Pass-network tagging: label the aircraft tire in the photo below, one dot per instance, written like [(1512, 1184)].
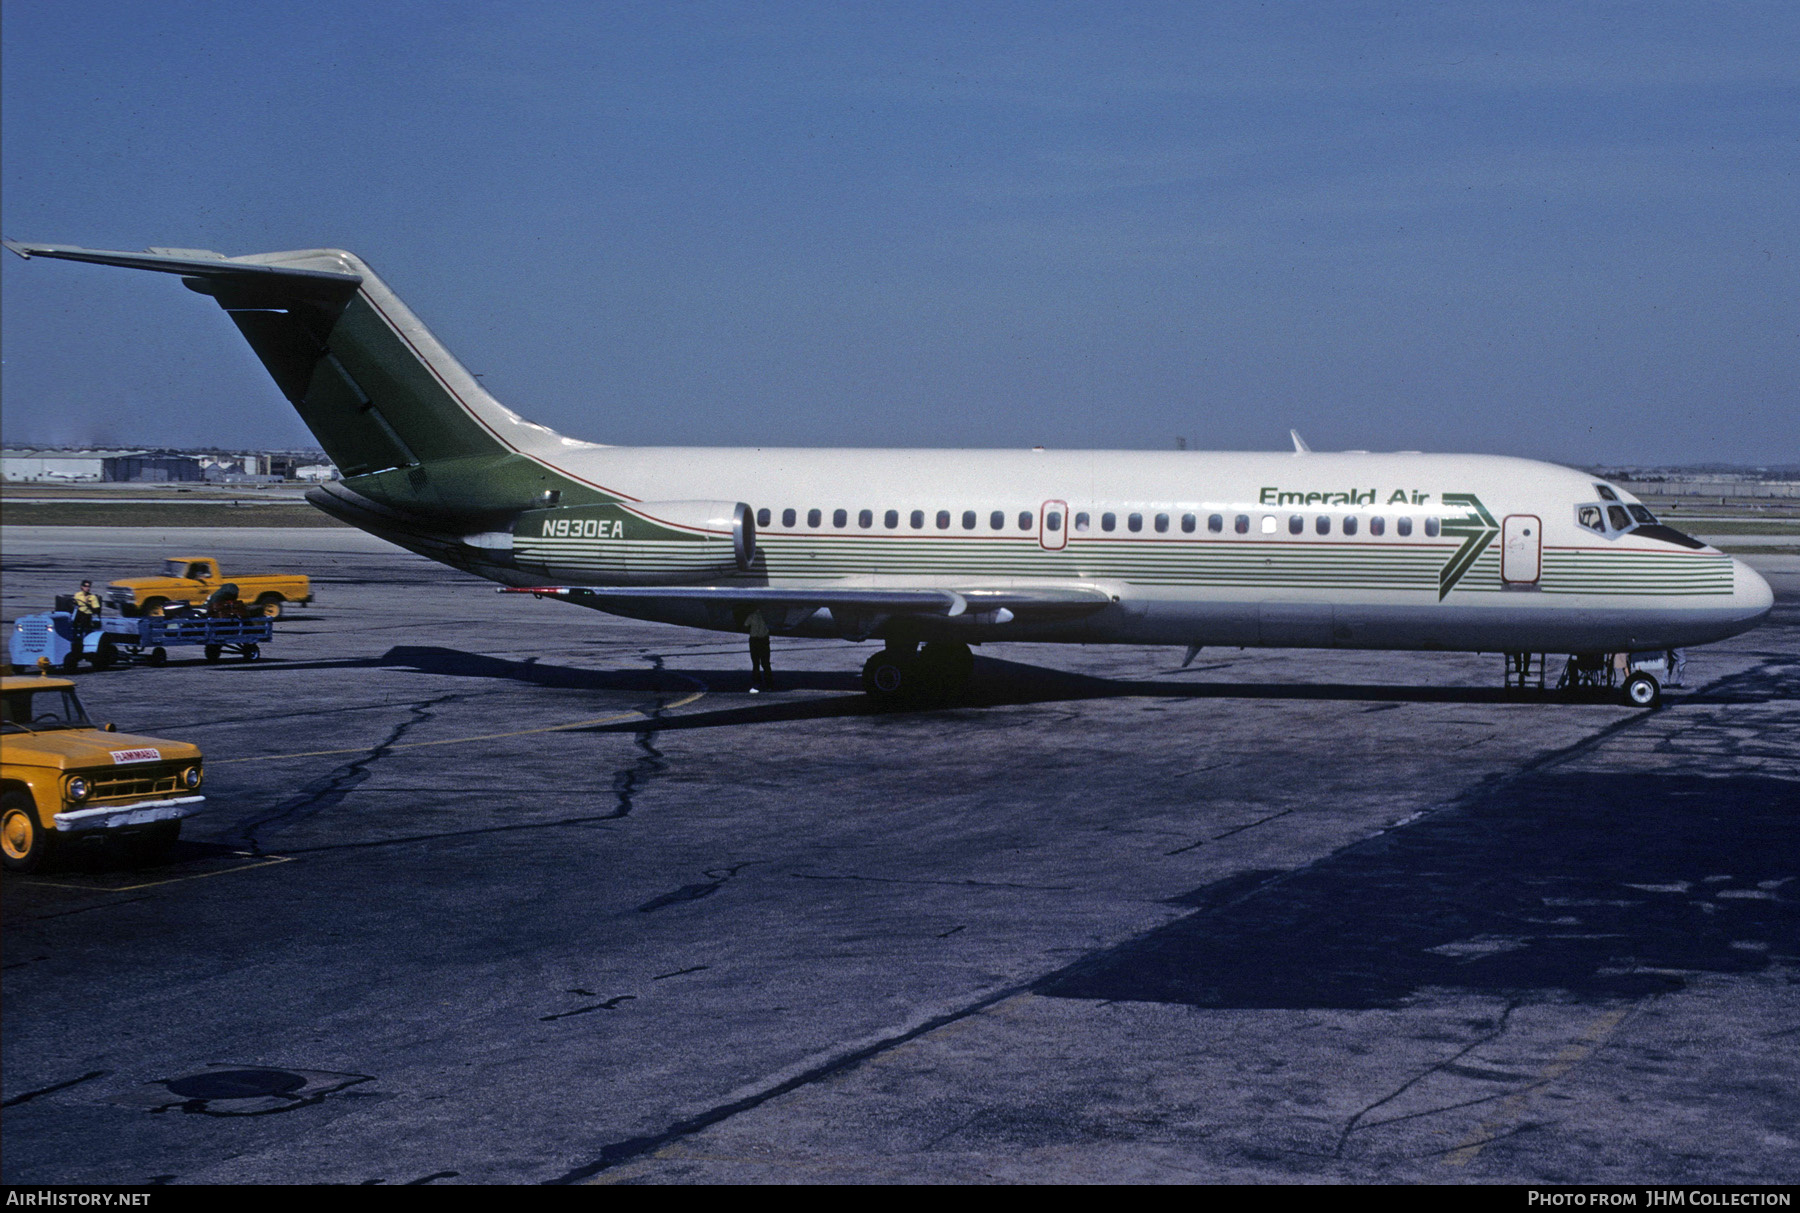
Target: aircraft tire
[(23, 840), (945, 666), (1641, 691), (889, 677)]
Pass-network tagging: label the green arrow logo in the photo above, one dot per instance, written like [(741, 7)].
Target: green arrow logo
[(1476, 530)]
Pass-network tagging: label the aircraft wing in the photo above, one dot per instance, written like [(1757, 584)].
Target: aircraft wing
[(1054, 601)]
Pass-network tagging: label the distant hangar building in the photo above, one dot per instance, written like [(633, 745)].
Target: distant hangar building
[(48, 466)]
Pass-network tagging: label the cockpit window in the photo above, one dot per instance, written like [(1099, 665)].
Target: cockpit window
[(1621, 521), (1590, 517), (1606, 493), (1642, 515)]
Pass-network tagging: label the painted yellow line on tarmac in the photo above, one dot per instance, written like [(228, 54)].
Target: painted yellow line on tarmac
[(414, 745), (151, 884), (1512, 1105)]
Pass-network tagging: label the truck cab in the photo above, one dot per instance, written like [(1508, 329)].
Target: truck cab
[(65, 780)]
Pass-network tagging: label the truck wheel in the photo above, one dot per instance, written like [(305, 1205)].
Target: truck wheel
[(24, 842), (106, 655), (159, 655), (71, 663), (271, 605)]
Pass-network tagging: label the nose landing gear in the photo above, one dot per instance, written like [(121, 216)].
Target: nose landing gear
[(1601, 671)]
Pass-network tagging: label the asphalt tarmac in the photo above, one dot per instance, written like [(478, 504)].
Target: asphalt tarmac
[(504, 891)]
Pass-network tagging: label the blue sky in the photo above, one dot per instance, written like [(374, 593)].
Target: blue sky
[(1558, 230)]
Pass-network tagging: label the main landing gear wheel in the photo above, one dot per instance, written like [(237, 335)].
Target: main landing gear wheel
[(1641, 691), (935, 674), (888, 676), (946, 666), (24, 843)]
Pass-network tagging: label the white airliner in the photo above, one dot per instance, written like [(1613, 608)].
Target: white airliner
[(943, 549)]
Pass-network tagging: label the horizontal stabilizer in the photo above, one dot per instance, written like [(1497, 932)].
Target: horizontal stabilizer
[(191, 263)]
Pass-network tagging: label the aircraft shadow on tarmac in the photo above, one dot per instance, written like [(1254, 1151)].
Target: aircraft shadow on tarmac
[(1597, 885), (996, 683)]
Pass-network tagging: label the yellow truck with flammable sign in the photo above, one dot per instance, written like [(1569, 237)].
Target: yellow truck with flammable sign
[(64, 779), (191, 580)]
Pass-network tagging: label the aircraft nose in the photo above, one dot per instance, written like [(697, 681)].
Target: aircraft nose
[(1751, 592)]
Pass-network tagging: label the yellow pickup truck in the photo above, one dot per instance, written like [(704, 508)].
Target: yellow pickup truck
[(64, 779), (191, 580)]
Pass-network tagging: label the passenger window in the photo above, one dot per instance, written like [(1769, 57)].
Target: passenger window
[(1243, 524), (891, 519), (1431, 527), (968, 520), (787, 518), (917, 520), (1053, 520), (1188, 524), (1322, 524), (840, 518), (997, 520), (1162, 524), (762, 517), (1378, 525), (1215, 523), (943, 520), (1134, 522), (865, 519), (812, 517), (1108, 521), (1589, 516), (1621, 521), (1296, 524), (1350, 524), (1081, 521), (1403, 526), (1268, 524)]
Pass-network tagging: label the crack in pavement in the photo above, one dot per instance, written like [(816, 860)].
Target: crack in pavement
[(330, 790)]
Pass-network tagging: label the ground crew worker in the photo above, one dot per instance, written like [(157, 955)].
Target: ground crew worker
[(87, 610), (762, 674)]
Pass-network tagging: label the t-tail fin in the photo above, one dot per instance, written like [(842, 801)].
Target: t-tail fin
[(372, 384)]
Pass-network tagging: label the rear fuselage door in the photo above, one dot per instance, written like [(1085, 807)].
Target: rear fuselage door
[(1053, 525), (1521, 549)]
